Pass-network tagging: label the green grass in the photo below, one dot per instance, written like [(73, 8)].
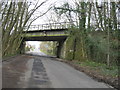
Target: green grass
[(46, 52), (103, 69), (8, 55)]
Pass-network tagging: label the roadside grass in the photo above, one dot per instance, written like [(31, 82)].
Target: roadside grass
[(8, 56), (48, 53), (102, 69)]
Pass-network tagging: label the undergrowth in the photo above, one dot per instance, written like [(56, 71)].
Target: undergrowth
[(103, 69)]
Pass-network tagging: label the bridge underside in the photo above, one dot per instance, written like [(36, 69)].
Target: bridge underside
[(46, 38), (54, 34), (47, 30)]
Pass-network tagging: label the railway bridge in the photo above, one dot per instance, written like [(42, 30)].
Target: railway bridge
[(47, 32)]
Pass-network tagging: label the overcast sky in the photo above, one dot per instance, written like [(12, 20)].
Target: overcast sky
[(45, 19)]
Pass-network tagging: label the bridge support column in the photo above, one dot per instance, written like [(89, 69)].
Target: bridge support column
[(22, 47), (59, 48)]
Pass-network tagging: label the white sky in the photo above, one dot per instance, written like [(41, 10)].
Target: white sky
[(44, 19), (35, 43), (44, 8)]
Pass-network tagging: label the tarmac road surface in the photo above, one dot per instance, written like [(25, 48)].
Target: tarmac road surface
[(62, 75), (41, 71)]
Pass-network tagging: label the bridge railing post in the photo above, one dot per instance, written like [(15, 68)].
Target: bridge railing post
[(55, 26), (33, 26), (42, 27), (50, 26), (61, 25)]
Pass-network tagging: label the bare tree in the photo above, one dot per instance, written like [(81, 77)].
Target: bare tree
[(15, 16)]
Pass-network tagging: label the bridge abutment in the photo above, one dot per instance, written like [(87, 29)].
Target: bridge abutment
[(22, 47), (59, 48)]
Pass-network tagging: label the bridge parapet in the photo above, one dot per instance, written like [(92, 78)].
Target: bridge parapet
[(50, 26)]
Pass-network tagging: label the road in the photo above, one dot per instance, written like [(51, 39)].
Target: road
[(46, 72)]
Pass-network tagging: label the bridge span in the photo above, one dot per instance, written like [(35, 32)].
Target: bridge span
[(47, 32)]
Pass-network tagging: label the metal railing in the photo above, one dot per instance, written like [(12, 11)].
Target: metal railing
[(62, 25)]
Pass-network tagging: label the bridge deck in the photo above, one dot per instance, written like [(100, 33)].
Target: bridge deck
[(46, 38), (47, 32)]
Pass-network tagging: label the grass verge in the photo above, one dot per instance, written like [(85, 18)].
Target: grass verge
[(98, 71), (103, 69)]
